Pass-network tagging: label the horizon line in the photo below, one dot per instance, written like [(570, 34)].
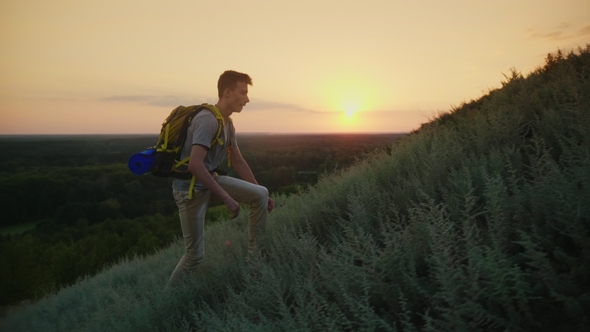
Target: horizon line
[(240, 133)]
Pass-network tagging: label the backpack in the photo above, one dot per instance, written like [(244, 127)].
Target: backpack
[(171, 141)]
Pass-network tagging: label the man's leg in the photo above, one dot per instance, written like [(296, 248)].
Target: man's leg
[(192, 220), (257, 197)]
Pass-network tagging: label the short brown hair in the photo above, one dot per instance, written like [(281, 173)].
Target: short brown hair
[(229, 79)]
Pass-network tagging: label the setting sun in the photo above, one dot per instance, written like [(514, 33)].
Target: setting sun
[(350, 108), (349, 95), (349, 120)]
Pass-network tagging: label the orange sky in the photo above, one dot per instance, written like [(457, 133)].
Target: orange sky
[(75, 67)]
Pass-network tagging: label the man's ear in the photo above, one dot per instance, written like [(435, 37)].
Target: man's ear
[(226, 92)]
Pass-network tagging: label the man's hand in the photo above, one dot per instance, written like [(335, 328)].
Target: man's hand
[(271, 205), (232, 206)]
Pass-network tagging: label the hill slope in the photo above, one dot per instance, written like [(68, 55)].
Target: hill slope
[(479, 220)]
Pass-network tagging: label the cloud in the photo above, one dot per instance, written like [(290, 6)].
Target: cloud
[(127, 98), (261, 105), (556, 35), (161, 101), (45, 99), (584, 31), (173, 101), (564, 32)]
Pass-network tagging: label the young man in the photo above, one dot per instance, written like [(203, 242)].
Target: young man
[(232, 90)]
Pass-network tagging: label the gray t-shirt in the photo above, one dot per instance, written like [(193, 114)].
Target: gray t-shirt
[(202, 131)]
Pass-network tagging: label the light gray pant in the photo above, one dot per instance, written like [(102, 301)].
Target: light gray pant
[(192, 220)]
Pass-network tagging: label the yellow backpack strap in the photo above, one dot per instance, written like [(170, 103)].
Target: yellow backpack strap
[(228, 152), (191, 187), (182, 162), (217, 139), (164, 145)]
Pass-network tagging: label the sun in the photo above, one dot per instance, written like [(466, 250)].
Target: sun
[(350, 97), (348, 114), (350, 109)]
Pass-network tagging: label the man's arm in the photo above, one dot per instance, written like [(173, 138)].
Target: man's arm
[(241, 166), (198, 169)]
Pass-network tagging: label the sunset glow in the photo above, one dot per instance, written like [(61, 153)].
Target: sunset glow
[(122, 66)]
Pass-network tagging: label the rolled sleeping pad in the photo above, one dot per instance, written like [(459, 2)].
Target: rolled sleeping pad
[(142, 162)]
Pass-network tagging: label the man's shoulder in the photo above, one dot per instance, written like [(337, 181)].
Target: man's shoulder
[(205, 117), (205, 113)]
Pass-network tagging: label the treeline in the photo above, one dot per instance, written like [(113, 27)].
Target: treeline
[(24, 153), (36, 264), (60, 196), (89, 210), (39, 184), (284, 162)]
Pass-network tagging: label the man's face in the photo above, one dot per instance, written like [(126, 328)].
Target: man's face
[(238, 97)]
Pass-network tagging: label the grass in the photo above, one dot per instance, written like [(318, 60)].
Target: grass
[(16, 229), (478, 221)]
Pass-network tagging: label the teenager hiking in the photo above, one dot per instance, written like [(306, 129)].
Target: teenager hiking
[(206, 149)]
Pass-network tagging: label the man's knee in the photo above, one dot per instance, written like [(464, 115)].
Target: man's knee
[(260, 196), (263, 192)]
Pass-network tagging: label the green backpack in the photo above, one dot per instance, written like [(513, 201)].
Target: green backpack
[(171, 140)]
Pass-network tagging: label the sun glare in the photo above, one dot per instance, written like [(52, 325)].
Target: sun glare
[(349, 96), (350, 108), (350, 101), (349, 115)]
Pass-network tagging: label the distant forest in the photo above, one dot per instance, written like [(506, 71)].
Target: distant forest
[(70, 206)]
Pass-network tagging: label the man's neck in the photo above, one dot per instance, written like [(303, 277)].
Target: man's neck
[(224, 110)]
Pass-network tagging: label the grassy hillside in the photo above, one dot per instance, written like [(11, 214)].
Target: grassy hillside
[(479, 220)]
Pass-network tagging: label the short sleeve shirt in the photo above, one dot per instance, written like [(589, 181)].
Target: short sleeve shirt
[(202, 131)]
